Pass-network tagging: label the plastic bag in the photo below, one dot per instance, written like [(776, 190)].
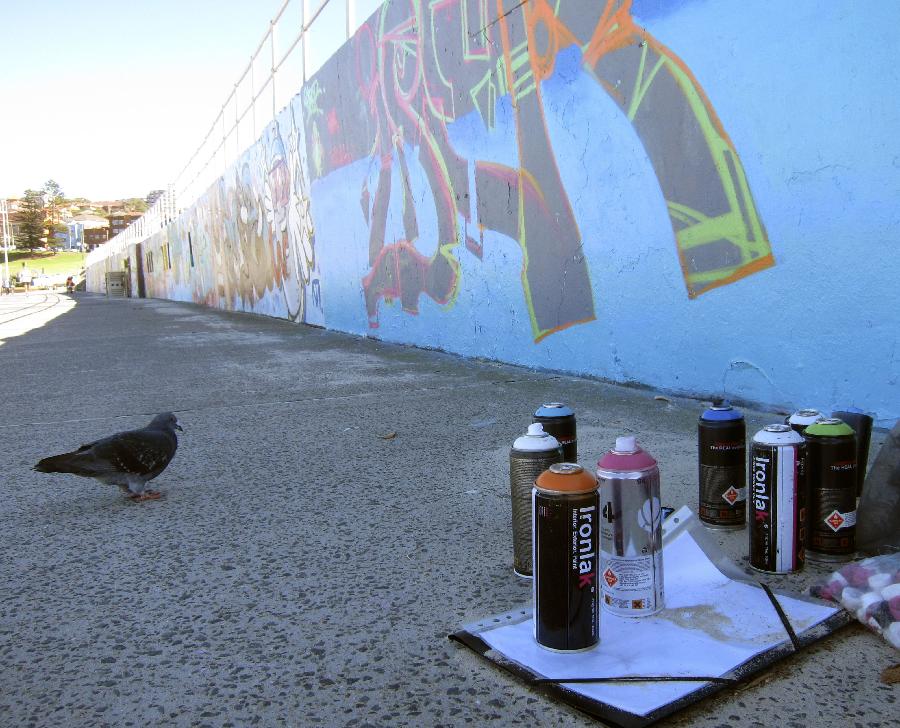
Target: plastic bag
[(870, 589)]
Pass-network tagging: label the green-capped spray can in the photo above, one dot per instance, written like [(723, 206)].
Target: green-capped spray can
[(831, 470)]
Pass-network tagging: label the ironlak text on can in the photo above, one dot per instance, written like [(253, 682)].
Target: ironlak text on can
[(777, 499), (722, 446), (801, 419), (559, 421), (631, 578), (831, 470), (530, 456), (566, 559)]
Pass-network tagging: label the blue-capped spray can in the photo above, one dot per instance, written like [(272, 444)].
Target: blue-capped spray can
[(722, 450), (559, 420)]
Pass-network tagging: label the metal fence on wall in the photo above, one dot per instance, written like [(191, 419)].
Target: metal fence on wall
[(300, 37)]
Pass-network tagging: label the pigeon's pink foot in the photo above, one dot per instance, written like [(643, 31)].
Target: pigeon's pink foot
[(146, 495)]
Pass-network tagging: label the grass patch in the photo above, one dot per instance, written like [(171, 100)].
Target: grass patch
[(43, 263)]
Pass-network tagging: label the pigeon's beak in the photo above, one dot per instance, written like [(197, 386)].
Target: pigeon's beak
[(179, 427)]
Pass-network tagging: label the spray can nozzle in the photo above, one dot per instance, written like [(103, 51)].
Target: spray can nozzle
[(625, 444)]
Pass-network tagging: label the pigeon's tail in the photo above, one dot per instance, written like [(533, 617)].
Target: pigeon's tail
[(70, 462)]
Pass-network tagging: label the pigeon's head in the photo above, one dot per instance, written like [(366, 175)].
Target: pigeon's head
[(166, 421)]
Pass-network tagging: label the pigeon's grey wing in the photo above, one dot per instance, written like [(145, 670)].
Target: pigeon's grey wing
[(140, 452)]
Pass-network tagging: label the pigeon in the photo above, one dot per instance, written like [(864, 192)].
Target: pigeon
[(127, 459)]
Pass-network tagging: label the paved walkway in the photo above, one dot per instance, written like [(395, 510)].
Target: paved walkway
[(337, 506)]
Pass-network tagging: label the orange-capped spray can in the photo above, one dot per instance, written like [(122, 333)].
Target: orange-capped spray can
[(565, 508)]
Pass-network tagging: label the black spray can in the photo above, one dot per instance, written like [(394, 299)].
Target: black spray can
[(530, 456), (559, 421), (801, 419), (831, 469), (777, 498), (566, 559), (862, 426), (722, 448)]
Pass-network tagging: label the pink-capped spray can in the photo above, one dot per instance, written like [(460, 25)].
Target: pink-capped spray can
[(631, 576)]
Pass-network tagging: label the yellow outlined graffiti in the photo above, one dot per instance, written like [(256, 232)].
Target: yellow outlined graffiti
[(420, 65)]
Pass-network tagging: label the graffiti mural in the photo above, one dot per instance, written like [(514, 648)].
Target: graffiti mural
[(248, 243), (417, 66)]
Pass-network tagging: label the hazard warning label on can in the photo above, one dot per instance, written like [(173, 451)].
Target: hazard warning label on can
[(733, 495), (610, 577), (837, 520), (632, 585)]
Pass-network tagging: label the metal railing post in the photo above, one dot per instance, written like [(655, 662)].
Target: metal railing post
[(272, 67), (304, 39), (224, 146)]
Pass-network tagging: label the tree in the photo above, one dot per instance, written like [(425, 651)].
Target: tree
[(31, 215), (134, 204), (54, 195)]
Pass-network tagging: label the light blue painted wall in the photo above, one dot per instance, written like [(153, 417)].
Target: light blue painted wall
[(807, 92)]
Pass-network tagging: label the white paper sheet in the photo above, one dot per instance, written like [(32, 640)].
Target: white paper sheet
[(711, 624)]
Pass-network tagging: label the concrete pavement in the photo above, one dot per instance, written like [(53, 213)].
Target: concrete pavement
[(337, 506)]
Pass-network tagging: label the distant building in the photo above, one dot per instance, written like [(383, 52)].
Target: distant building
[(86, 232), (118, 221), (94, 237), (153, 196), (75, 238)]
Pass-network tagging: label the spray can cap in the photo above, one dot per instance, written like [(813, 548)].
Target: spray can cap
[(721, 411), (552, 410), (627, 455), (566, 478), (536, 439)]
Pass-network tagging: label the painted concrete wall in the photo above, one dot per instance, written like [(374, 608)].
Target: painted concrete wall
[(701, 196)]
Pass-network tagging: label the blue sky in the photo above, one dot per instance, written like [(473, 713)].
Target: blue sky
[(110, 99)]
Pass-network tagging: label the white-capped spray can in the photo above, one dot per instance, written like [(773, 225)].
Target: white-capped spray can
[(777, 500), (803, 418), (531, 455), (631, 576)]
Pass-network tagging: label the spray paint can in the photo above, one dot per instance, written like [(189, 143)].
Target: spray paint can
[(777, 500), (530, 456), (566, 559), (831, 469), (862, 426), (631, 531), (801, 419), (722, 448), (559, 421)]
